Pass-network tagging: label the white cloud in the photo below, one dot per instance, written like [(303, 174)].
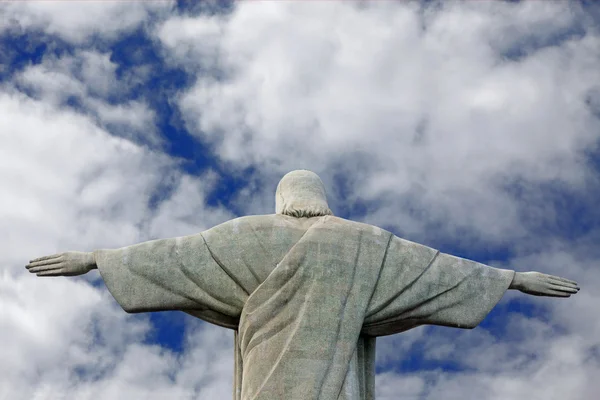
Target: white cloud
[(390, 386), (98, 72), (537, 367), (64, 170), (416, 108), (425, 101), (429, 121), (560, 372), (90, 77), (77, 22), (535, 357), (50, 329), (185, 212), (190, 42), (69, 185)]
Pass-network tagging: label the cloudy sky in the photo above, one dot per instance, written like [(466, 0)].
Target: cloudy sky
[(471, 127)]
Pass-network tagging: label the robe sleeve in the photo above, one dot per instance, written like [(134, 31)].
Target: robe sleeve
[(418, 285), (172, 274)]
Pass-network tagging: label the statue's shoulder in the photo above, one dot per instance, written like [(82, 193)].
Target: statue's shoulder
[(263, 221), (343, 223), (278, 221), (267, 221)]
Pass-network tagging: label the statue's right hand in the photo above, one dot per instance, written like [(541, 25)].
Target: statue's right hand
[(70, 263), (538, 284)]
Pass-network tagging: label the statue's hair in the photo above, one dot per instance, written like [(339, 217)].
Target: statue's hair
[(306, 212), (301, 194)]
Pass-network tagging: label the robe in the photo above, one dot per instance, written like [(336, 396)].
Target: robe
[(306, 297)]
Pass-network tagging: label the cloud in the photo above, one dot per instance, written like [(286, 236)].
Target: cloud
[(53, 330), (390, 386), (425, 101), (431, 118), (74, 179), (442, 122), (68, 184), (186, 212), (79, 22), (552, 357), (88, 79), (561, 371), (539, 366)]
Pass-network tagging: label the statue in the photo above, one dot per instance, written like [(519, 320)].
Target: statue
[(305, 292)]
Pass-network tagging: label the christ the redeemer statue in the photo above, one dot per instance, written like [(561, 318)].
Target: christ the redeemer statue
[(306, 293)]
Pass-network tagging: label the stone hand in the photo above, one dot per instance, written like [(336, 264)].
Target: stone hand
[(538, 284), (70, 263)]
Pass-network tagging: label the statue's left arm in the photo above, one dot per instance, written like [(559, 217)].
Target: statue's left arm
[(166, 274), (419, 285)]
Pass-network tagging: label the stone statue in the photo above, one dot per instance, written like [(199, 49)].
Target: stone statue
[(305, 292)]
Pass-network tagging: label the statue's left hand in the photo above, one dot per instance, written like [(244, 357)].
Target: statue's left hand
[(70, 263)]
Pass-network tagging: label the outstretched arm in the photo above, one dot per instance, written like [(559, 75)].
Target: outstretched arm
[(538, 284), (159, 275), (70, 263), (440, 289)]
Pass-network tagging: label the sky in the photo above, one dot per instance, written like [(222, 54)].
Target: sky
[(472, 127)]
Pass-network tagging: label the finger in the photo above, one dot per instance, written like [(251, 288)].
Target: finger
[(46, 257), (45, 262), (562, 279), (45, 268), (557, 293), (565, 289), (54, 272), (563, 282)]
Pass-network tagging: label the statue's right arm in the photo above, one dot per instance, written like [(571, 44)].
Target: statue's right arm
[(70, 263), (538, 284)]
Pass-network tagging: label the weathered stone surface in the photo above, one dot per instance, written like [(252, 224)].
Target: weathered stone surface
[(307, 293)]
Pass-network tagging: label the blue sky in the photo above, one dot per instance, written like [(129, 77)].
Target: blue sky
[(471, 127)]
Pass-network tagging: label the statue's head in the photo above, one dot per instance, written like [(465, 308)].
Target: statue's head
[(300, 194)]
